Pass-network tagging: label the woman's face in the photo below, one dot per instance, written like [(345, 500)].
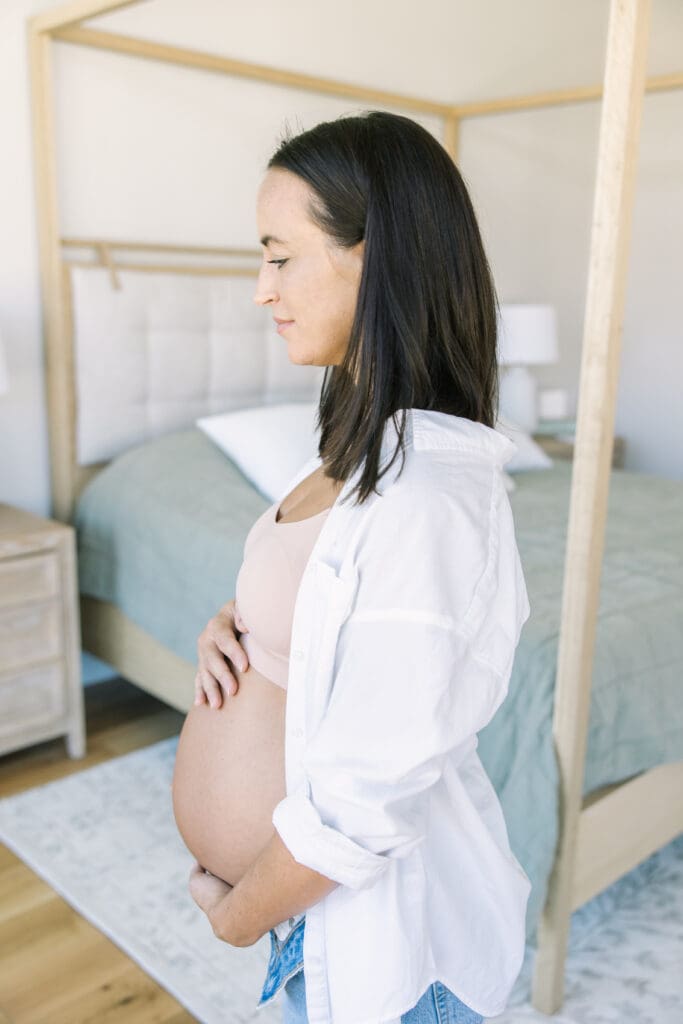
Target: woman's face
[(316, 285)]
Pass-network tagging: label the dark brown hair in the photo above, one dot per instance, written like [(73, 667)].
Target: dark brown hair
[(425, 328)]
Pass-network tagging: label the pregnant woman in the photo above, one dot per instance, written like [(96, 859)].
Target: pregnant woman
[(330, 790)]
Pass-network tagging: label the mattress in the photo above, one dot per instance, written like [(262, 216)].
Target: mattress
[(161, 531)]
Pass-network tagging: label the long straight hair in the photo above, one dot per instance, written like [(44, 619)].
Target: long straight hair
[(424, 333)]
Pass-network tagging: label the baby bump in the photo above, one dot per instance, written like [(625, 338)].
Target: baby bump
[(229, 774)]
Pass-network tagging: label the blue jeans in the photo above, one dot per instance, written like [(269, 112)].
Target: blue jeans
[(438, 1005)]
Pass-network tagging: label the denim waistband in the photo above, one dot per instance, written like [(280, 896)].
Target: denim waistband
[(286, 958), (283, 930)]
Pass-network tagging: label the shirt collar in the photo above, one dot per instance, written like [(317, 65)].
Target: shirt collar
[(426, 428)]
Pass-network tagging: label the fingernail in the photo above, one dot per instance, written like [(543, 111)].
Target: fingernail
[(243, 666)]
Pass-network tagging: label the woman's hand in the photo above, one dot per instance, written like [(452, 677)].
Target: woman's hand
[(217, 641), (208, 892)]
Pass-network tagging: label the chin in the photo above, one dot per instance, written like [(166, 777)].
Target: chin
[(304, 359)]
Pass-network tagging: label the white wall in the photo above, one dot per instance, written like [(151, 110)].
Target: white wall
[(24, 466), (159, 153), (533, 176)]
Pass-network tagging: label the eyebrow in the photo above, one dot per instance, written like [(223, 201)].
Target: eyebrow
[(267, 239)]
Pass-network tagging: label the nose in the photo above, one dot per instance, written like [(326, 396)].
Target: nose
[(265, 289)]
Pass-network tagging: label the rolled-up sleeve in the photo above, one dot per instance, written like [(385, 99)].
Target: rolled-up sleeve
[(407, 691), (322, 848)]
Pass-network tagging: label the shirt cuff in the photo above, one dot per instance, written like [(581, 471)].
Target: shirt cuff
[(322, 848)]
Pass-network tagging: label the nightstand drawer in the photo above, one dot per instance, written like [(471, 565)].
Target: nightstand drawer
[(33, 578), (30, 633), (30, 697), (41, 696)]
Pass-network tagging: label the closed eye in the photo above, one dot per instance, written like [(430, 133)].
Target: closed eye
[(280, 263)]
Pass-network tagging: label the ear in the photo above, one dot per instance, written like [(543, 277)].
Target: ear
[(358, 251), (348, 260)]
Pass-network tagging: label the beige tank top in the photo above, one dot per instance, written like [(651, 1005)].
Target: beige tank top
[(275, 556)]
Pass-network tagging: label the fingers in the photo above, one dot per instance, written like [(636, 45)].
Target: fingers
[(199, 695), (222, 636), (216, 643), (218, 673), (208, 690), (240, 623)]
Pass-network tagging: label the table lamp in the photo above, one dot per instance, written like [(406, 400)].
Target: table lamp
[(527, 336)]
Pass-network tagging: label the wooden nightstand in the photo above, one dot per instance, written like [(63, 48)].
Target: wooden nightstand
[(562, 448), (41, 694)]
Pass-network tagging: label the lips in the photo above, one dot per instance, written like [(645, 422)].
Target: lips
[(282, 325)]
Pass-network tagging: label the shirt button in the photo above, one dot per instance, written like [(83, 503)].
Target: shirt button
[(297, 732), (298, 654)]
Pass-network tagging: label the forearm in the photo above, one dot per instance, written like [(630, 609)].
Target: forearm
[(274, 888)]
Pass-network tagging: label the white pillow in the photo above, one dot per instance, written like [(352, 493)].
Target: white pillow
[(269, 443), (529, 455)]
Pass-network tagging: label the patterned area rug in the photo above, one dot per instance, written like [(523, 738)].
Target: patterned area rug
[(105, 839)]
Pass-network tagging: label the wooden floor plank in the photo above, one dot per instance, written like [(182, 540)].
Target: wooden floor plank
[(58, 968)]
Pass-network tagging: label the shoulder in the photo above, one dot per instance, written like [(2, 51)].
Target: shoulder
[(442, 483), (439, 546), (426, 540), (438, 497)]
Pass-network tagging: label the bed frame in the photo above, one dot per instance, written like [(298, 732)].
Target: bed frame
[(608, 832)]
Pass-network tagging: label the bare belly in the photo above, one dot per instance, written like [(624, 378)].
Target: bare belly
[(229, 775)]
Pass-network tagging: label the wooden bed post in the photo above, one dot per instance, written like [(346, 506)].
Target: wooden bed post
[(451, 136), (627, 40), (59, 382), (56, 327)]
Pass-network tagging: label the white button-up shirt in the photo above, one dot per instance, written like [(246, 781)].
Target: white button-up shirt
[(405, 627)]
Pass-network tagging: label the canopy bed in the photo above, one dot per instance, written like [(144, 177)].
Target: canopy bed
[(595, 783)]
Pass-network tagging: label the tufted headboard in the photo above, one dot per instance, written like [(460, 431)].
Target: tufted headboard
[(149, 347)]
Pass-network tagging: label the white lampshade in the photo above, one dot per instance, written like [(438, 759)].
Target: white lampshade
[(4, 375), (527, 335)]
